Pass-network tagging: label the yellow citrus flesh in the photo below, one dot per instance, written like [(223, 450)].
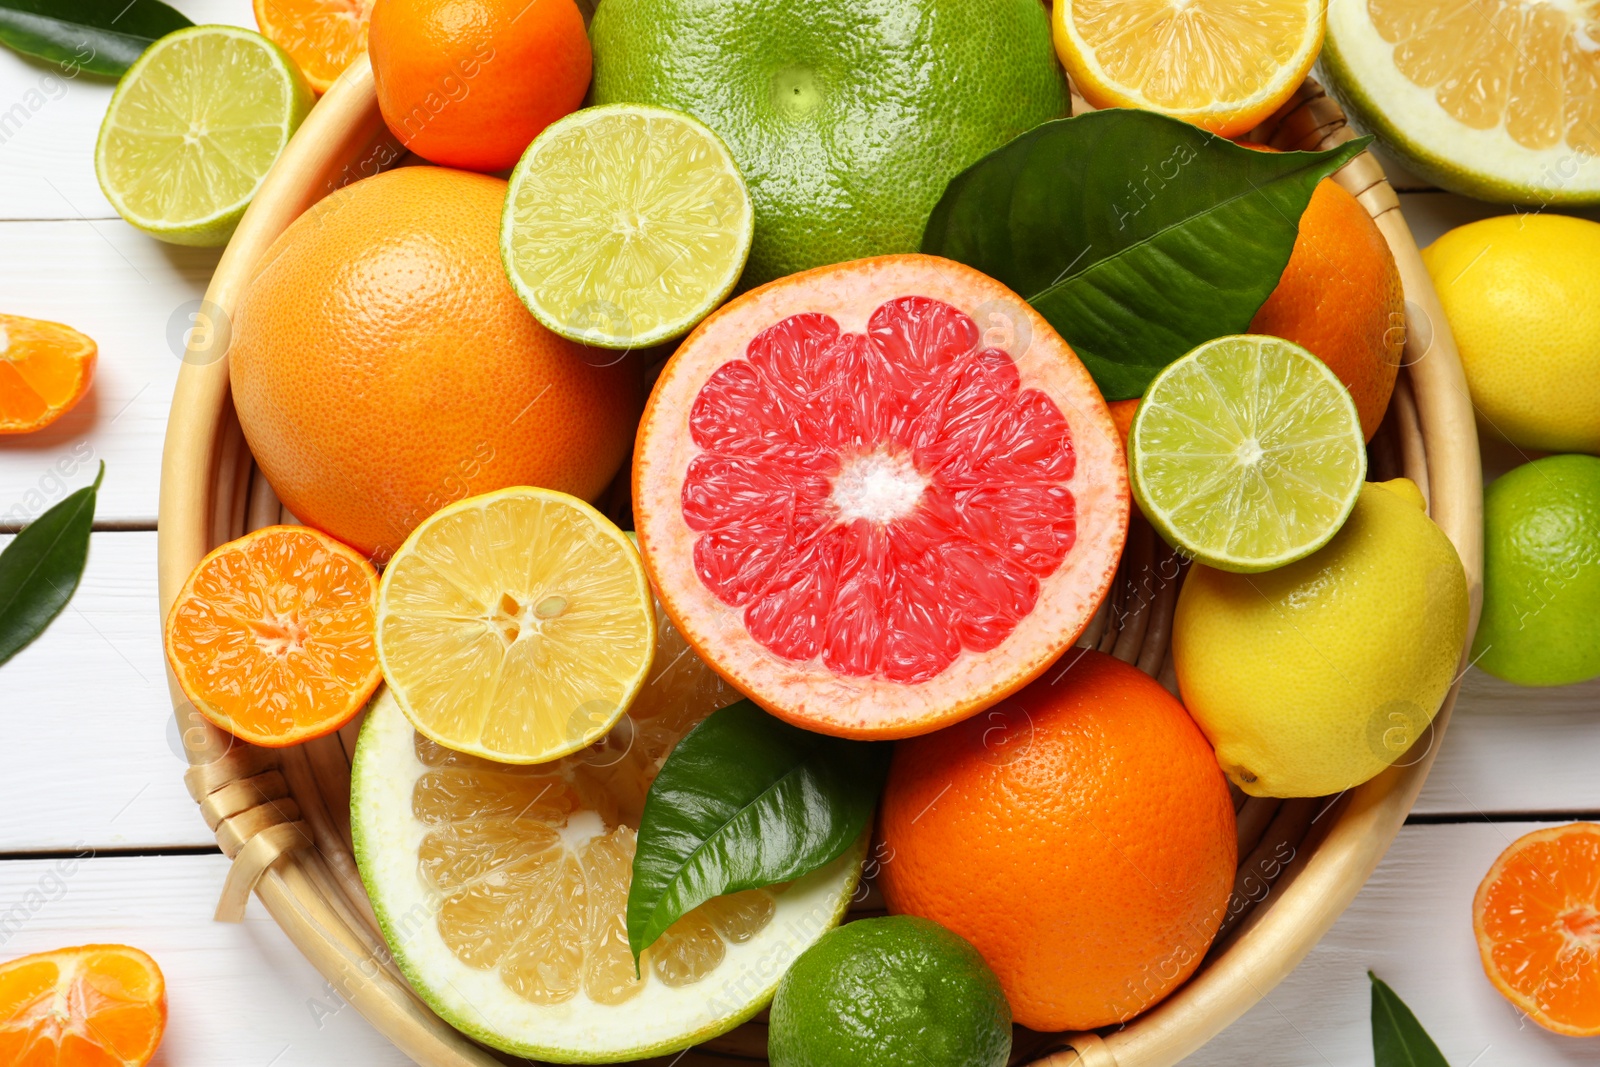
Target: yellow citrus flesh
[(1219, 64), (516, 626)]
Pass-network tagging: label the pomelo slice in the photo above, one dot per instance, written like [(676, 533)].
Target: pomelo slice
[(879, 496), (502, 890)]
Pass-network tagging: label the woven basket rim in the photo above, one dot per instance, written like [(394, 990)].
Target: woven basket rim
[(289, 843)]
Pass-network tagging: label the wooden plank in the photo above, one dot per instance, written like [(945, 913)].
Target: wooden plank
[(93, 754), (132, 295), (238, 995), (49, 120), (1412, 926)]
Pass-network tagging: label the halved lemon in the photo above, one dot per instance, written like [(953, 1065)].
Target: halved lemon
[(625, 225), (1219, 64), (516, 626), (502, 891), (1499, 101)]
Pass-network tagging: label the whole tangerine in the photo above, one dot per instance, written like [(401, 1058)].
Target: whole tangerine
[(383, 367), (471, 83), (1079, 833)]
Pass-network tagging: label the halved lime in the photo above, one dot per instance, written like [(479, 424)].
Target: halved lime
[(1247, 453), (193, 128), (625, 225)]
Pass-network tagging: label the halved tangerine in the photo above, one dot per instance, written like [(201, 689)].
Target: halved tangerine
[(93, 1006), (45, 368), (879, 496), (1537, 917)]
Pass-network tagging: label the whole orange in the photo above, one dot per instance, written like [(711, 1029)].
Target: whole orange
[(1340, 298), (471, 83), (382, 365), (1079, 834)]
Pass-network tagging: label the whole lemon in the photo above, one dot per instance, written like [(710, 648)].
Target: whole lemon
[(1522, 293), (1314, 677)]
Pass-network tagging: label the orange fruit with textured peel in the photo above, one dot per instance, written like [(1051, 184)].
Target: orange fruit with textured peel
[(866, 513), (1219, 64), (45, 368), (1537, 918), (321, 36), (92, 1006), (273, 637)]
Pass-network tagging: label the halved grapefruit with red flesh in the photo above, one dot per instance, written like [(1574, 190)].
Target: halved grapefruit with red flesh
[(879, 496)]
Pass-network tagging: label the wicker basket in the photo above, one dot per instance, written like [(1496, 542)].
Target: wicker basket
[(283, 816)]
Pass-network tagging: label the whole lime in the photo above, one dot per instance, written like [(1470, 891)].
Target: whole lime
[(886, 993), (1541, 573), (847, 119)]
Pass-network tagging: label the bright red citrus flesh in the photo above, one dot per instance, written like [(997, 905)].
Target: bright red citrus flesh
[(879, 496), (882, 500)]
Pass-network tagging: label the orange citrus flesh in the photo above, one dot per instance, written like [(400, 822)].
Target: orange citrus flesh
[(1219, 64), (94, 1006), (1537, 917), (321, 36), (273, 636), (1529, 67), (45, 368), (869, 514), (533, 864)]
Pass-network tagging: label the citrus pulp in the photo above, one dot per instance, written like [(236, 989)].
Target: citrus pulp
[(93, 1006), (45, 369), (322, 36)]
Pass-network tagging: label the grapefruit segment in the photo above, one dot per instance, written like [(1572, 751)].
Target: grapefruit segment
[(869, 507)]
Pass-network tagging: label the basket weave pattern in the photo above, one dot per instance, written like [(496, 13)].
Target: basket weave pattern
[(283, 816)]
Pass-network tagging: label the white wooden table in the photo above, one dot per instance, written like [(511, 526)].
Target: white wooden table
[(99, 841)]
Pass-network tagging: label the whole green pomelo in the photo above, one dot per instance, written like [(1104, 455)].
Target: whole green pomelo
[(847, 117), (890, 992), (1541, 573)]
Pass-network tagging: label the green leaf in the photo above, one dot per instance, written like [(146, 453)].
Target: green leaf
[(745, 801), (40, 568), (98, 36), (1398, 1040), (1137, 236)]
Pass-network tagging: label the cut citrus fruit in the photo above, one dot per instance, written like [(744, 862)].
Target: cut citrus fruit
[(321, 36), (625, 225), (1498, 101), (1219, 64), (272, 636), (45, 368), (516, 626), (502, 891), (879, 496), (193, 128), (1537, 917), (92, 1006), (1247, 453)]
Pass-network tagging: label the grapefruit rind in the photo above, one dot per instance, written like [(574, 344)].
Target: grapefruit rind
[(660, 1020), (806, 694)]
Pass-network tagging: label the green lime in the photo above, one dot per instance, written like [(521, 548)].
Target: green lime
[(847, 119), (1247, 453), (625, 225), (193, 129), (889, 993), (1541, 573)]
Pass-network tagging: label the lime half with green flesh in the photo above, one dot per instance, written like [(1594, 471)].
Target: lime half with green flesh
[(1247, 453), (193, 129), (625, 225)]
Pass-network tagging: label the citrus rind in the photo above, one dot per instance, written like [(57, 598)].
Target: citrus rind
[(660, 1020)]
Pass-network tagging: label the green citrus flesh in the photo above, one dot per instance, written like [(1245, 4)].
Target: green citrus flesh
[(1495, 103), (193, 128), (1247, 453), (846, 119), (501, 893), (888, 993), (625, 225), (1541, 573)]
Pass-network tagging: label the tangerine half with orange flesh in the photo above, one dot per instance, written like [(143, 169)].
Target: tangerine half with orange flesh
[(273, 638), (879, 496), (1537, 917), (45, 368), (94, 1006)]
